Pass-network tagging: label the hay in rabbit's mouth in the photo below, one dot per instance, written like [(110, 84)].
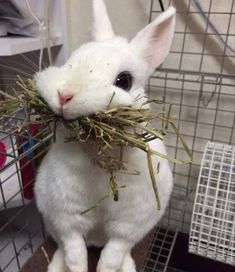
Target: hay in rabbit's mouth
[(112, 129)]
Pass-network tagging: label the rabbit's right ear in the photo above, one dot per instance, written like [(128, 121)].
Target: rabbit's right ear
[(102, 28), (152, 44)]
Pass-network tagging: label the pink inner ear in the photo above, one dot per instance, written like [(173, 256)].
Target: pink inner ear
[(153, 43), (159, 45)]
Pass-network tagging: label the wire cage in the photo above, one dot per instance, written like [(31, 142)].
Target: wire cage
[(212, 232), (21, 229), (197, 79)]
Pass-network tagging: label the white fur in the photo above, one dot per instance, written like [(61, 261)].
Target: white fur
[(69, 181), (102, 28)]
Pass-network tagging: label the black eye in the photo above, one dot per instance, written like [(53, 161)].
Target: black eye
[(124, 81)]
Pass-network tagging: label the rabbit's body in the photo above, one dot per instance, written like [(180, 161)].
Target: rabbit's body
[(107, 72), (73, 182)]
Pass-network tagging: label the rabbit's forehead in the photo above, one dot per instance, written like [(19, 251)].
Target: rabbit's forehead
[(106, 57)]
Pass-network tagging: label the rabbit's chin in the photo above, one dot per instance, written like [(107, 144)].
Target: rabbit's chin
[(75, 115)]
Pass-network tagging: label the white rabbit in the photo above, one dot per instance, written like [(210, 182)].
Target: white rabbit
[(68, 181)]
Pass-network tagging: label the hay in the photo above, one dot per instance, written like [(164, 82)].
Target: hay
[(112, 129)]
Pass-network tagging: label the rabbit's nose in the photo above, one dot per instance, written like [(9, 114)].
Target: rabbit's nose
[(64, 99)]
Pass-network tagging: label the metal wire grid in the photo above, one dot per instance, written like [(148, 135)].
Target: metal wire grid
[(160, 250), (21, 229), (198, 80), (164, 237), (197, 122), (19, 240), (24, 144), (212, 231), (196, 47)]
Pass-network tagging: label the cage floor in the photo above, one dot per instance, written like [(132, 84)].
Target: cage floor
[(169, 253), (160, 251), (20, 250)]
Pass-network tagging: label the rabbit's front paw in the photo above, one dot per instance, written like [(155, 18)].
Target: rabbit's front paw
[(113, 255), (128, 264), (111, 264), (104, 268), (57, 264), (75, 252)]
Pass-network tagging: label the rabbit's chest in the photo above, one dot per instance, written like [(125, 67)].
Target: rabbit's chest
[(80, 180), (91, 185), (83, 184)]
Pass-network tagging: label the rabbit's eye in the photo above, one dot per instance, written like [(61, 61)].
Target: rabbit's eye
[(124, 81)]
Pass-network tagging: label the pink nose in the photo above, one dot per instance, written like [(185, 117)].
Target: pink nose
[(64, 99)]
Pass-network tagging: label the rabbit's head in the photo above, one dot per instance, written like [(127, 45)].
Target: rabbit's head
[(109, 71)]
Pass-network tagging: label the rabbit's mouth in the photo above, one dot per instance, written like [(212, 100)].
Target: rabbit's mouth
[(67, 117), (84, 133)]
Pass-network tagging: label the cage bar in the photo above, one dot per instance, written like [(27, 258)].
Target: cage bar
[(212, 231)]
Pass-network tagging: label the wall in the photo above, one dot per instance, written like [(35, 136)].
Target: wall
[(127, 16)]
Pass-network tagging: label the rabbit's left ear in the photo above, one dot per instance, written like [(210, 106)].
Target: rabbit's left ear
[(153, 43), (102, 28)]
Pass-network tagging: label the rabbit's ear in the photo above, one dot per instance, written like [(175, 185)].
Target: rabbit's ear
[(153, 42), (102, 29)]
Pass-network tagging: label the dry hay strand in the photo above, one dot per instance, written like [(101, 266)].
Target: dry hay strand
[(114, 128)]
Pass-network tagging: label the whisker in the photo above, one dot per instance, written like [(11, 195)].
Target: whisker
[(11, 76), (38, 56), (16, 70), (30, 62), (9, 84), (29, 68), (35, 55)]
